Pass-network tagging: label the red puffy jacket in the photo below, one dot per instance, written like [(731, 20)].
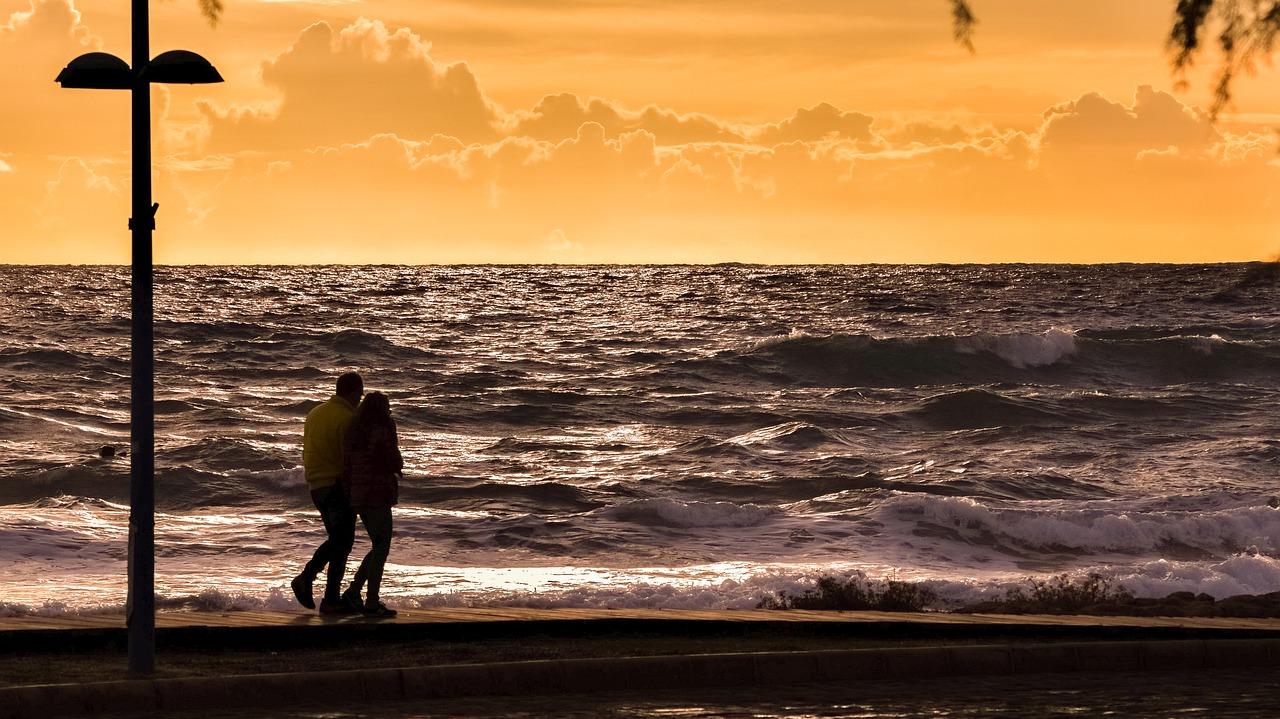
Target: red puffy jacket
[(371, 471)]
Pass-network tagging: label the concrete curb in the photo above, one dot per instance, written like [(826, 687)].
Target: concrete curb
[(648, 673)]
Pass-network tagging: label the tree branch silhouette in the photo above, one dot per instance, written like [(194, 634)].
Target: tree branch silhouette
[(964, 21), (212, 11), (1246, 35)]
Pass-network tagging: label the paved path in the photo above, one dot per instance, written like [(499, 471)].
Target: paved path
[(1151, 644), (500, 615)]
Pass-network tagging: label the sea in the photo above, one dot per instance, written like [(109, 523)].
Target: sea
[(656, 436)]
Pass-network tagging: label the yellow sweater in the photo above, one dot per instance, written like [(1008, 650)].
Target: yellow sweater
[(323, 438)]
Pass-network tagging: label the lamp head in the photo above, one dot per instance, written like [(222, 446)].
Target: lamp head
[(102, 71), (97, 71), (180, 66)]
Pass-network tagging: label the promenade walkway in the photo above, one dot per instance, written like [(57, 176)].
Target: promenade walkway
[(253, 626), (943, 645)]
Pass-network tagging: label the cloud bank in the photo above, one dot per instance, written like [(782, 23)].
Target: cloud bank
[(373, 151)]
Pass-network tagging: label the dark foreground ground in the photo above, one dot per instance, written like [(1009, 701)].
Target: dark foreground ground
[(923, 665), (111, 664), (1220, 694), (71, 649)]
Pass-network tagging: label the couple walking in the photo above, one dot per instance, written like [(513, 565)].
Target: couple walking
[(351, 457)]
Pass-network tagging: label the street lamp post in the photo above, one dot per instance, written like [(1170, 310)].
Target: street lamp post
[(101, 71)]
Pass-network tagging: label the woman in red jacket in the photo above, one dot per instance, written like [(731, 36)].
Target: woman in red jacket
[(371, 482)]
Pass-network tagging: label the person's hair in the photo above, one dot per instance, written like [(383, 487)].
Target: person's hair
[(349, 384), (373, 412)]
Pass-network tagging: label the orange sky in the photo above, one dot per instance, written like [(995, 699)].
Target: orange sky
[(416, 131)]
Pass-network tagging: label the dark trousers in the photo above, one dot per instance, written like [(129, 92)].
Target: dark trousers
[(340, 525), (377, 522)]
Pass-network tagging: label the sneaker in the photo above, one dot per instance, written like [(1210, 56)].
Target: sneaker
[(302, 590), (337, 606), (375, 608), (352, 599)]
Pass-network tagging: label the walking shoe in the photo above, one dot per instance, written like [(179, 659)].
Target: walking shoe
[(302, 590), (375, 608), (337, 606), (352, 599)]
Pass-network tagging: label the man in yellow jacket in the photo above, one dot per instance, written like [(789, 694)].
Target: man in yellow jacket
[(323, 441)]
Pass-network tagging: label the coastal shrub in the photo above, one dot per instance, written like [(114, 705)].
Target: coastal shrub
[(1061, 594), (1057, 595), (855, 593)]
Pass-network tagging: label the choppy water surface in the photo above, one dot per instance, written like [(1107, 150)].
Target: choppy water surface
[(657, 436)]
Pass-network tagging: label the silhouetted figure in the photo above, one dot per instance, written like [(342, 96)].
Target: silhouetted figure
[(323, 448), (371, 482)]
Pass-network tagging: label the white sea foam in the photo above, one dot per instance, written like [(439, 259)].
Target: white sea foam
[(720, 586), (727, 585), (1099, 526), (1206, 345), (1235, 575), (1022, 349), (773, 340)]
